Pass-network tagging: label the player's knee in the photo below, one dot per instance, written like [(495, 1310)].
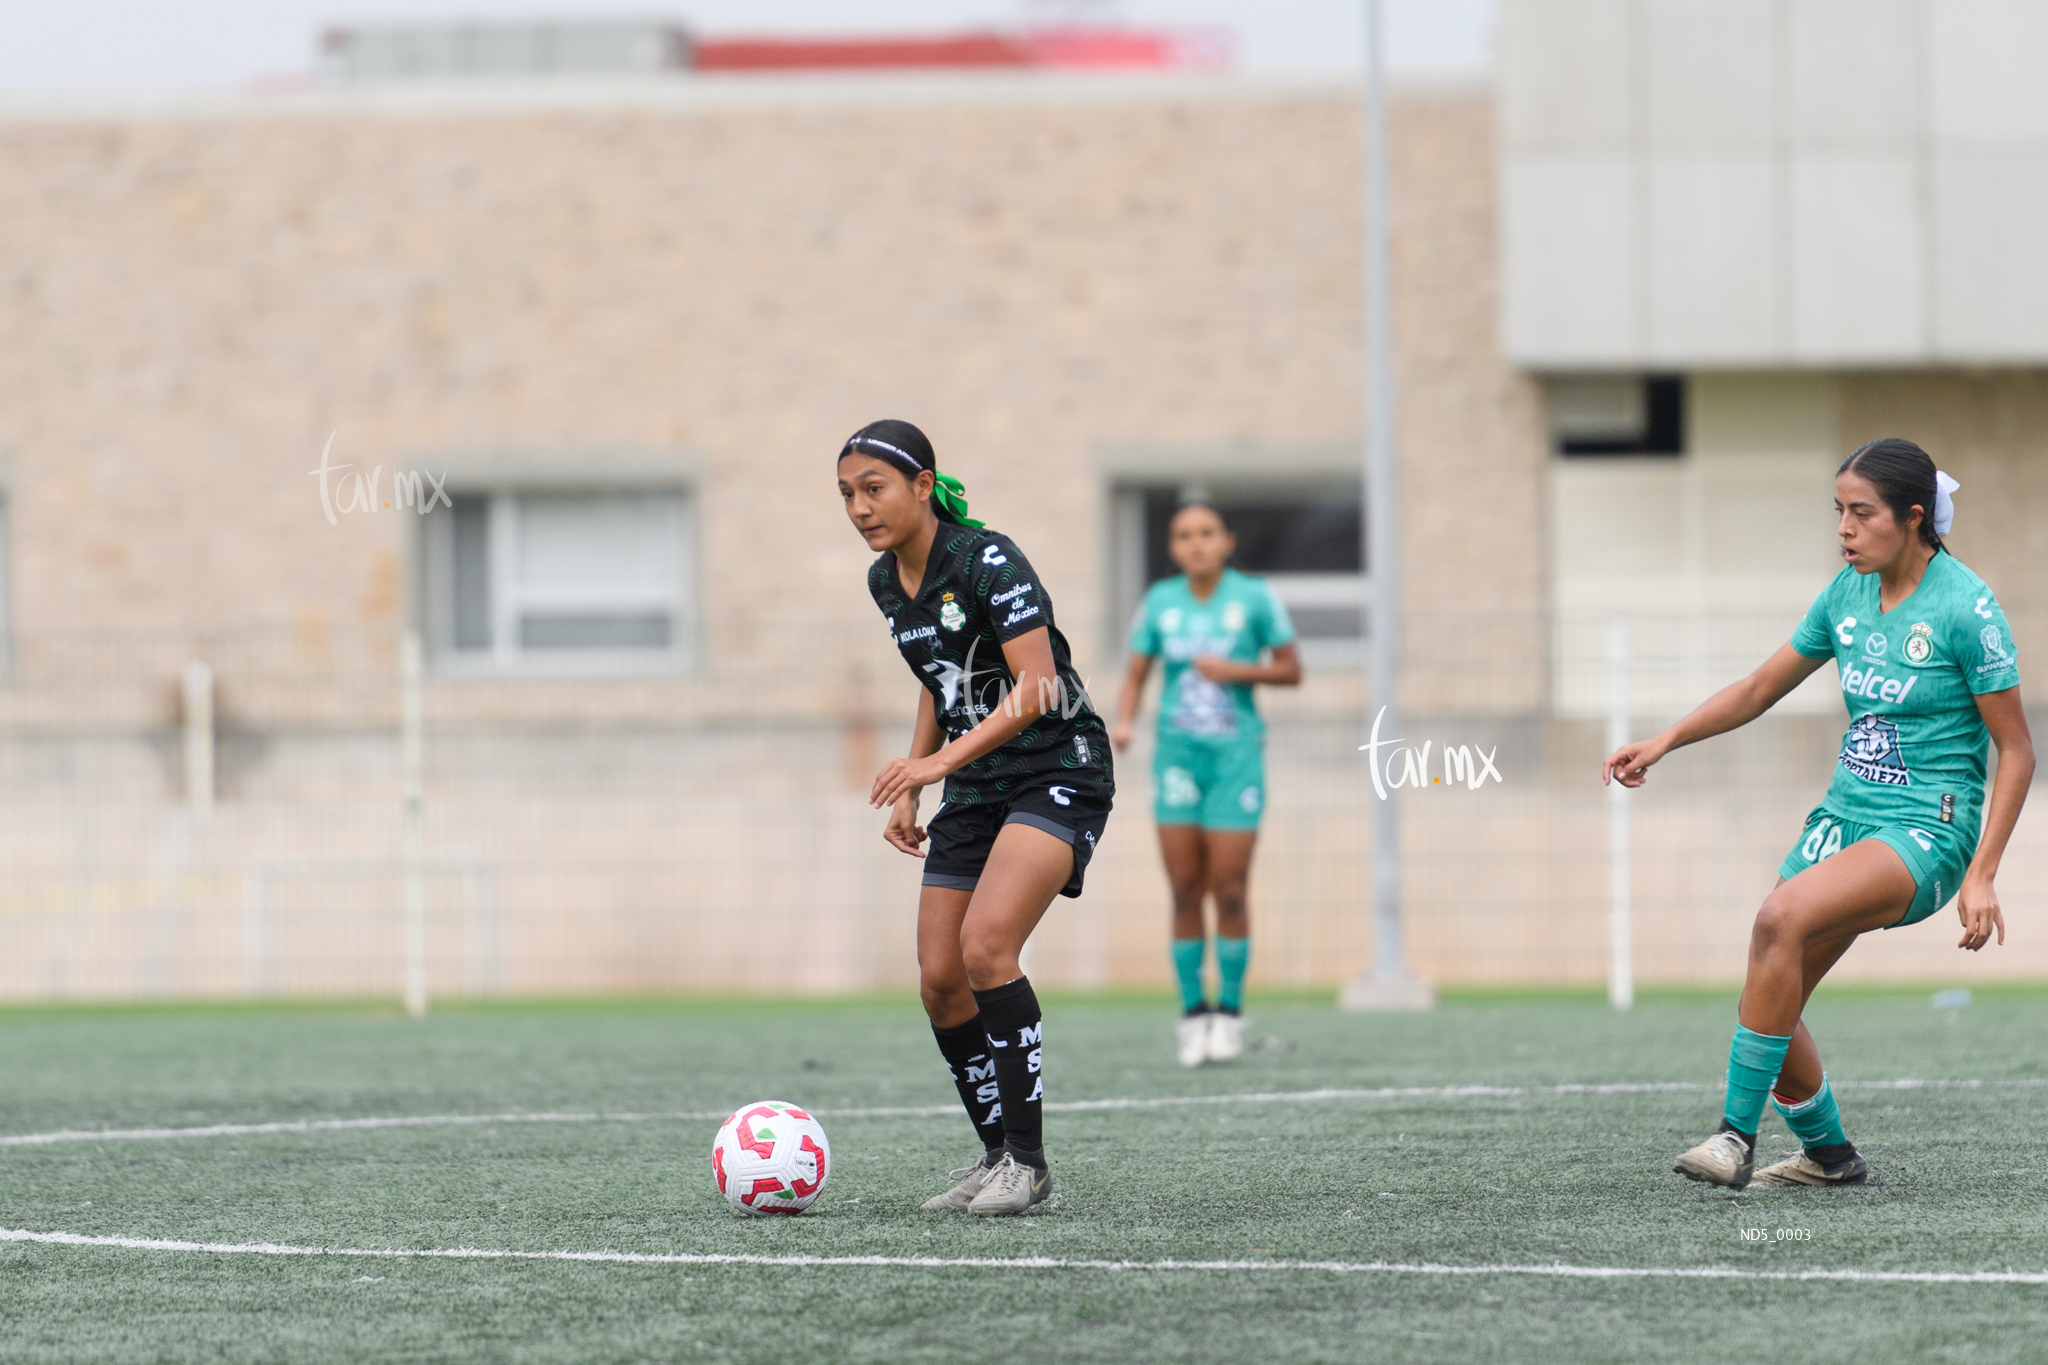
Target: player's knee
[(944, 992), (1230, 895), (1777, 922), (989, 960)]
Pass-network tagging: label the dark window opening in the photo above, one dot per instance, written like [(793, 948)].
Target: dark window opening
[(1275, 534), (1632, 415)]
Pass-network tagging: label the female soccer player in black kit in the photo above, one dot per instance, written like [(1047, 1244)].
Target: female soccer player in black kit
[(1004, 721)]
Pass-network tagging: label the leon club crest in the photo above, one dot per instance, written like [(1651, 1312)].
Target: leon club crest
[(1920, 643)]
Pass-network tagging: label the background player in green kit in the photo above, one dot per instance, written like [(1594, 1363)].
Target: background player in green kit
[(1928, 670), (1213, 625)]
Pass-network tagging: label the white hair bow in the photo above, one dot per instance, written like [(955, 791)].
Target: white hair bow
[(1944, 505)]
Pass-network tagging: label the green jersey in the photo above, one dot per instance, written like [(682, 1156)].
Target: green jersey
[(1240, 621), (1911, 676)]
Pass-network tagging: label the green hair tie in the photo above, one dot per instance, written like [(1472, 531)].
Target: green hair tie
[(950, 494)]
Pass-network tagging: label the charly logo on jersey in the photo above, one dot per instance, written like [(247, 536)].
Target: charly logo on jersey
[(950, 614), (1870, 750), (1920, 643), (1875, 645)]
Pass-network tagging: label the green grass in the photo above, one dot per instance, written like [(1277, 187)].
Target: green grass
[(1959, 1183)]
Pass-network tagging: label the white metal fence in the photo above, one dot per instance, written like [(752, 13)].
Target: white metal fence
[(270, 824)]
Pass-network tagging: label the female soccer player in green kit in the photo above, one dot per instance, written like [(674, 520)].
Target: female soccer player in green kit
[(1928, 670), (1214, 626)]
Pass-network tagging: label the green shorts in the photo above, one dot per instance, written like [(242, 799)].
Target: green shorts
[(1936, 854), (1217, 785)]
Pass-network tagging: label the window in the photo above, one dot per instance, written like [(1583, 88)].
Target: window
[(1305, 537), (1618, 414), (548, 577)]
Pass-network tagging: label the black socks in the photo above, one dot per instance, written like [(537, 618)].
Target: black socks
[(965, 1048), (1832, 1155), (1748, 1139), (1015, 1029)]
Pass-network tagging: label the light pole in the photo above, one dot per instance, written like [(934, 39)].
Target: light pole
[(1388, 985)]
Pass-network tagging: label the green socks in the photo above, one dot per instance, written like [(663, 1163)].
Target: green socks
[(1187, 967), (1232, 956), (1753, 1062), (1816, 1122)]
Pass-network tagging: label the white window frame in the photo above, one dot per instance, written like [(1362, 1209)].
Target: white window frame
[(1228, 476), (507, 604)]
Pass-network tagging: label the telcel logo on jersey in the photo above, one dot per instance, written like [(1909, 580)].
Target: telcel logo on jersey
[(1467, 763), (1868, 682)]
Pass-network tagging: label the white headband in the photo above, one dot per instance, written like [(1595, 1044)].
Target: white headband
[(1944, 505)]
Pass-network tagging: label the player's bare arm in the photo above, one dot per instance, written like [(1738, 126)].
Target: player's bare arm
[(1131, 699), (903, 831), (1029, 657), (1733, 707), (1977, 905), (1283, 670)]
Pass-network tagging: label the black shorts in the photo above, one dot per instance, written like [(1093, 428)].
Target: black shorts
[(1070, 806)]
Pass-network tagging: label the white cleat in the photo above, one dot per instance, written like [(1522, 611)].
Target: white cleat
[(1723, 1159), (1193, 1035), (1804, 1170), (1012, 1188), (1226, 1037), (970, 1180)]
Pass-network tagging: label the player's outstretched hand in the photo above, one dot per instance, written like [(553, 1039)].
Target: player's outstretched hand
[(1977, 907), (903, 830), (904, 776), (1630, 764)]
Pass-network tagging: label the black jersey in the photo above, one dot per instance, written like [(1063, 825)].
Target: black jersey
[(979, 593)]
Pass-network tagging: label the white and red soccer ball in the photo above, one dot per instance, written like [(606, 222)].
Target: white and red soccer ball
[(771, 1157)]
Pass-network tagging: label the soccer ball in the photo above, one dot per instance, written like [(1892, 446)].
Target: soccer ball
[(771, 1157)]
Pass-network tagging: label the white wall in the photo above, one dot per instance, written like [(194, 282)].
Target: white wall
[(1712, 556), (1742, 183)]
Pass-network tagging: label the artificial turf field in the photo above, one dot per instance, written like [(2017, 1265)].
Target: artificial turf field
[(1521, 1169)]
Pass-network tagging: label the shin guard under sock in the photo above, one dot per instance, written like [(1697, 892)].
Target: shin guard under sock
[(965, 1048), (1015, 1032), (1187, 970), (1816, 1122), (1753, 1062)]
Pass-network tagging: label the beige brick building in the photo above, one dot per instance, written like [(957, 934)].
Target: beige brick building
[(626, 327)]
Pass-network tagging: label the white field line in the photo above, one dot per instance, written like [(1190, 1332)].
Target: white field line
[(1560, 1271), (1322, 1096)]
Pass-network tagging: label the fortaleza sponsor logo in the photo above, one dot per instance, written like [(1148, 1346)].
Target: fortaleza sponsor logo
[(354, 493), (1403, 765)]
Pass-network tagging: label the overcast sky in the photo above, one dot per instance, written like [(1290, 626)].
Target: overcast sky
[(161, 46)]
